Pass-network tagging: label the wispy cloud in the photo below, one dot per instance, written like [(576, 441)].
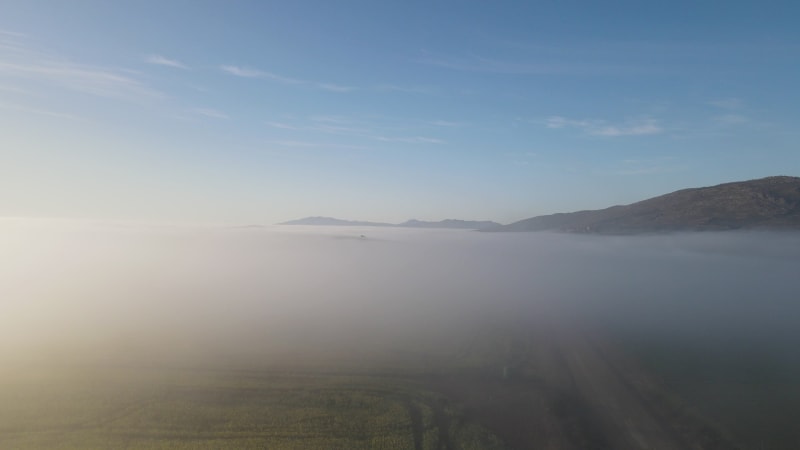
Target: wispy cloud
[(410, 139), (645, 127), (563, 122), (522, 159), (162, 61), (246, 72), (341, 120), (731, 119), (84, 78), (327, 124), (346, 127), (605, 57), (290, 143), (41, 112), (281, 78), (598, 127), (243, 72), (23, 63), (533, 66), (405, 89), (732, 114), (209, 112), (727, 103), (16, 90), (283, 126), (446, 124), (12, 34), (341, 129), (312, 144), (334, 87), (478, 64)]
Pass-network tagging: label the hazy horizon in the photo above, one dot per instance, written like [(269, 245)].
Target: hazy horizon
[(81, 289), (140, 142)]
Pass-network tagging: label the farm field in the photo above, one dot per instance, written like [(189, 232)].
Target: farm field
[(162, 408), (748, 390), (496, 387)]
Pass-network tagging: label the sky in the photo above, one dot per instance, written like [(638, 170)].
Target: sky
[(243, 112)]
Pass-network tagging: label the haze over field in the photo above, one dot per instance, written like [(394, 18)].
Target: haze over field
[(78, 291), (146, 146)]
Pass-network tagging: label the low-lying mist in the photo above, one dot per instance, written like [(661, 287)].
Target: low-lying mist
[(77, 292)]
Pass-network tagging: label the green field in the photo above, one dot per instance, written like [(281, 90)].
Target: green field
[(492, 387), (182, 408)]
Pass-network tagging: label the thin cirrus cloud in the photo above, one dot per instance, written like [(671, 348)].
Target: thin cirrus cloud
[(423, 90), (283, 126), (88, 79), (41, 112), (596, 127), (410, 139), (731, 119), (731, 113), (535, 66), (247, 72), (446, 124), (312, 144), (12, 34), (646, 127), (342, 127), (16, 90), (22, 64), (243, 72), (333, 87), (209, 112), (599, 58), (727, 103), (321, 127), (163, 61)]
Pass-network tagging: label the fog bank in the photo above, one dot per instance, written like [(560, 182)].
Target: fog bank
[(78, 291)]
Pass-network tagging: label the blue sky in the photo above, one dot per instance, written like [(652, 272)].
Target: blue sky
[(259, 112)]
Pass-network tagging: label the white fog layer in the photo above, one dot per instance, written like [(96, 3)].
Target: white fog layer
[(78, 292)]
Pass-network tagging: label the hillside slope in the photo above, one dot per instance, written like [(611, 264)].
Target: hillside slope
[(766, 203)]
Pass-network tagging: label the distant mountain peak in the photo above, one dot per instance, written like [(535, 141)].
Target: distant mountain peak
[(412, 223), (766, 203), (330, 221)]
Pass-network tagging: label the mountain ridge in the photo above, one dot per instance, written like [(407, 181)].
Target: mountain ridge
[(412, 223), (765, 203)]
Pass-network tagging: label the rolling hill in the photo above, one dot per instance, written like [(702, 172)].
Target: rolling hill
[(768, 203)]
